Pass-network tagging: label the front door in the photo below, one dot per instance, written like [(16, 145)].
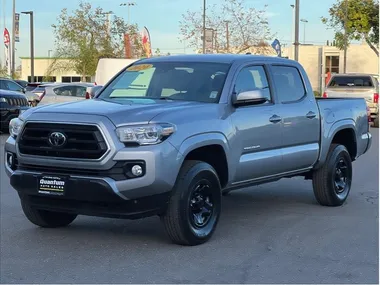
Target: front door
[(257, 144), (300, 115)]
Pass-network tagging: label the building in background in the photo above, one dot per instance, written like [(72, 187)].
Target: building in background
[(41, 65), (318, 61)]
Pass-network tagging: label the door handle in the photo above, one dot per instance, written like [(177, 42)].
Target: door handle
[(275, 119), (311, 115)]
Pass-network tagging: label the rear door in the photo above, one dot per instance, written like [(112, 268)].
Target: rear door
[(300, 117)]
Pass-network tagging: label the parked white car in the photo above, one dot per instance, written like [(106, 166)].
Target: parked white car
[(109, 67), (64, 92)]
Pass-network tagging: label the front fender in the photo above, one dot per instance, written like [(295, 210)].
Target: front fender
[(201, 140), (327, 136)]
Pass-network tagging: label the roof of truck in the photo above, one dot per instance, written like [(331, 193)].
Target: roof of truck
[(215, 58)]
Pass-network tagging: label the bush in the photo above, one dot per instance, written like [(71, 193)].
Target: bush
[(317, 94)]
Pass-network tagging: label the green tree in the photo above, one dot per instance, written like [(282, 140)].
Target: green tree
[(85, 36), (362, 22), (247, 26), (3, 71)]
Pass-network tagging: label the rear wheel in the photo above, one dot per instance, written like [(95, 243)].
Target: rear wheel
[(33, 103), (46, 219), (376, 122), (195, 205), (332, 182)]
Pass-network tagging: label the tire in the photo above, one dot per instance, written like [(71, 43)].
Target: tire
[(329, 185), (180, 222), (376, 122), (46, 219), (33, 103)]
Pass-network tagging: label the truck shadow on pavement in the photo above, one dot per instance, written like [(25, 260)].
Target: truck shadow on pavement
[(239, 206)]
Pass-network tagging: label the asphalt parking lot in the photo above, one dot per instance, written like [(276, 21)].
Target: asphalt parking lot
[(274, 233)]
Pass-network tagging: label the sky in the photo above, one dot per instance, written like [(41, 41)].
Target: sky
[(162, 18)]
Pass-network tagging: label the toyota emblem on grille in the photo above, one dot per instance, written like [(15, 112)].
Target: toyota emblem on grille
[(57, 139)]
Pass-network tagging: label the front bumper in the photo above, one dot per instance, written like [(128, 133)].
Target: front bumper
[(86, 196), (161, 168), (94, 195)]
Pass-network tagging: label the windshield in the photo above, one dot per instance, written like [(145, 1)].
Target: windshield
[(351, 81), (188, 81)]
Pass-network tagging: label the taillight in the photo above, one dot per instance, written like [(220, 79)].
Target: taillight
[(324, 95), (376, 98), (88, 95)]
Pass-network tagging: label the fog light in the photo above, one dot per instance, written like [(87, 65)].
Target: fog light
[(137, 170), (11, 160)]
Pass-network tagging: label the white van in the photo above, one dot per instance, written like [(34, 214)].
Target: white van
[(109, 67)]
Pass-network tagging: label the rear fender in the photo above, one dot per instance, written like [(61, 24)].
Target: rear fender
[(328, 135)]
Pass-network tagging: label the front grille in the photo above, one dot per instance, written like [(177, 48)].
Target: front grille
[(17, 101), (82, 141)]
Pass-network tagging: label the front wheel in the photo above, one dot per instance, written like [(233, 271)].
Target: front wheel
[(46, 219), (195, 205), (332, 182)]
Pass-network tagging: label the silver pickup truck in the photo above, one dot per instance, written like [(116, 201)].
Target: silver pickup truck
[(169, 136)]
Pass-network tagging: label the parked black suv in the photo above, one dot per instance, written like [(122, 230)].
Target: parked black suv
[(11, 105)]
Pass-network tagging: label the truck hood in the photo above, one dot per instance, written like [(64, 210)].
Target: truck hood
[(128, 111)]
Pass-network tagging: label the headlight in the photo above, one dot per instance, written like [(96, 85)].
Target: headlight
[(145, 134), (15, 126), (3, 100)]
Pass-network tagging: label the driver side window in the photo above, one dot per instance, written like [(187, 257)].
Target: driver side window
[(253, 78)]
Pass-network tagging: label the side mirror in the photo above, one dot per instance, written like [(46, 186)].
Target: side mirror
[(24, 90), (253, 97)]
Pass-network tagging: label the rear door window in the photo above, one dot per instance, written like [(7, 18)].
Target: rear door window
[(351, 81), (65, 91), (288, 83)]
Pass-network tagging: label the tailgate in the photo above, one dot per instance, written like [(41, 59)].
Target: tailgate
[(365, 93)]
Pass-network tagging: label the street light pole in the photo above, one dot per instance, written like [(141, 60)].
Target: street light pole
[(13, 38), (31, 45), (204, 27), (304, 29), (297, 29), (128, 4)]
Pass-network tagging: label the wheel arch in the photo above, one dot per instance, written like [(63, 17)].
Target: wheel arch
[(212, 148), (341, 132)]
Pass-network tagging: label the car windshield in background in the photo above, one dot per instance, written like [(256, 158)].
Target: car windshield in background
[(188, 81), (351, 81)]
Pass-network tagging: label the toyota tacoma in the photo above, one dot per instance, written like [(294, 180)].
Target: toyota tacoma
[(169, 136)]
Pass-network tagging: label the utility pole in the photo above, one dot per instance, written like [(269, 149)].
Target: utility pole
[(345, 37), (204, 27), (13, 69), (297, 29), (31, 45), (227, 36)]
